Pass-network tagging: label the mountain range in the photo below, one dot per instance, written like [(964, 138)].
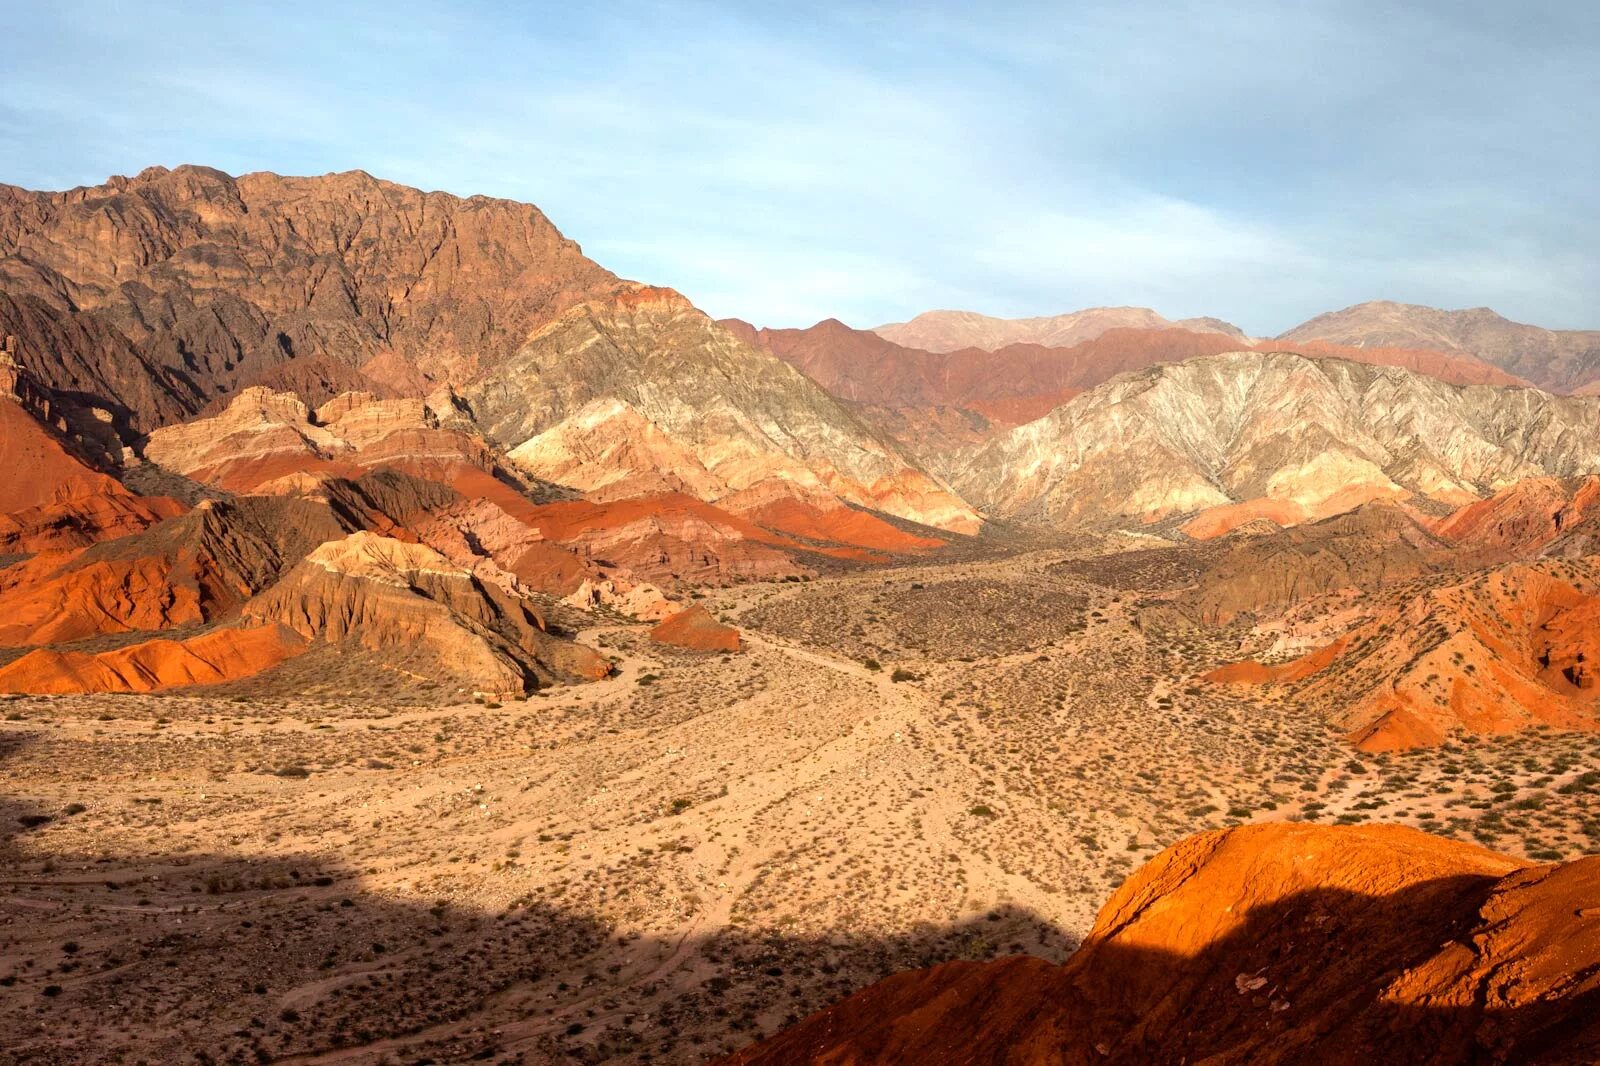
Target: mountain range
[(856, 612)]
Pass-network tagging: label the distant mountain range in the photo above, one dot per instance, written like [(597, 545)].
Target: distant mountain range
[(183, 338), (1558, 360), (948, 331)]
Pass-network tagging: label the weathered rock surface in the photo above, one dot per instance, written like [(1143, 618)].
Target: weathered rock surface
[(1533, 517), (744, 415), (408, 600), (198, 284), (608, 450), (1499, 651), (1292, 438), (1560, 360), (199, 567), (50, 498), (673, 539), (696, 630), (1266, 944)]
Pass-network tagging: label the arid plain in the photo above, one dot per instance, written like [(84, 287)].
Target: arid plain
[(902, 766)]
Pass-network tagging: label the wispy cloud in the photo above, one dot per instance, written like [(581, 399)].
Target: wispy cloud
[(1256, 160)]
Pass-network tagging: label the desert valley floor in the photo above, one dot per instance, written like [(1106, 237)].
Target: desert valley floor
[(958, 759)]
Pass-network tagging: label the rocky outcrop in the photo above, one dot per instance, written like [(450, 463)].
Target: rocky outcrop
[(744, 415), (1500, 651), (1560, 360), (696, 630), (266, 441), (819, 518), (203, 284), (50, 498), (1292, 438), (608, 450), (410, 602), (196, 568), (214, 658), (1265, 944), (947, 331), (1377, 544), (674, 540), (1534, 517)]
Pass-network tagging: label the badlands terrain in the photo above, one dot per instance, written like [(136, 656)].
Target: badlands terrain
[(420, 645)]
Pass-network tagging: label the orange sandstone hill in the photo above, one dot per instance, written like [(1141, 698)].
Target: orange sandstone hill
[(1277, 943), (51, 499), (1498, 651)]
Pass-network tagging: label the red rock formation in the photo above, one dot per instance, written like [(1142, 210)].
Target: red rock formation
[(1270, 944), (407, 600), (1535, 516), (1014, 411), (785, 508), (50, 500), (210, 659), (1497, 652), (195, 568), (697, 630)]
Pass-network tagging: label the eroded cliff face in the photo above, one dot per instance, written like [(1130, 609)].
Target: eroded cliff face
[(387, 595), (212, 282), (1247, 435), (1266, 944)]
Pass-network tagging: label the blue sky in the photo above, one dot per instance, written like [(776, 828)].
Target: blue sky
[(1258, 161)]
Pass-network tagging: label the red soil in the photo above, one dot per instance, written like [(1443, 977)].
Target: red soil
[(839, 525)]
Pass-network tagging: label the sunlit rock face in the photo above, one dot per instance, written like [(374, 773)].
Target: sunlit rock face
[(1264, 944), (1288, 437)]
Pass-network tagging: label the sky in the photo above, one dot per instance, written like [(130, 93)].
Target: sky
[(1258, 161)]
